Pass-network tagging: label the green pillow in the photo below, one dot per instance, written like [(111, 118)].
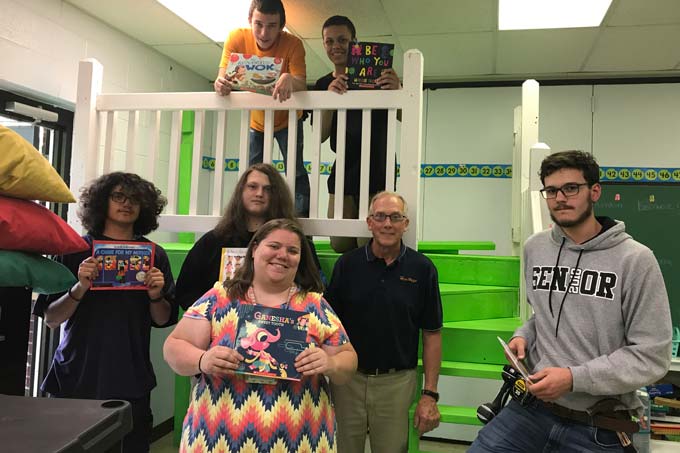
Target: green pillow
[(34, 271)]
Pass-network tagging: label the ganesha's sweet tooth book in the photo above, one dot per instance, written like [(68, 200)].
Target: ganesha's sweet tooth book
[(270, 339)]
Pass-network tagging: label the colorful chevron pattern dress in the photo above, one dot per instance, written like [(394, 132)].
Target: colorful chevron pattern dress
[(230, 415)]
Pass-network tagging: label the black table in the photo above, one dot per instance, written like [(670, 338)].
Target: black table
[(62, 425)]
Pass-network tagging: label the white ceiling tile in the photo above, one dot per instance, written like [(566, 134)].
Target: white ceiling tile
[(202, 58), (457, 37), (147, 21), (543, 51), (647, 12), (454, 55), (307, 17), (410, 17), (636, 49)]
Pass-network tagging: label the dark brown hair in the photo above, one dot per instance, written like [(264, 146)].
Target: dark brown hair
[(94, 202), (268, 7), (307, 276), (234, 222), (577, 160)]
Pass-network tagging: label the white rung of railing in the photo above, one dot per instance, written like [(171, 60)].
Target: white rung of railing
[(145, 129)]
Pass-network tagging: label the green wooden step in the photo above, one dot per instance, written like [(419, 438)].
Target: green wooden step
[(475, 341), (477, 269), (462, 302), (445, 247), (467, 369), (453, 247), (462, 269)]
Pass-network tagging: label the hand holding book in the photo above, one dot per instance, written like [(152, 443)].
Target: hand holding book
[(220, 360), (313, 361)]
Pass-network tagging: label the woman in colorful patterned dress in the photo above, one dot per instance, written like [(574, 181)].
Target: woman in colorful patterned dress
[(232, 412)]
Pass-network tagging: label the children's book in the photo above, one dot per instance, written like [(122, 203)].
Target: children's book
[(269, 339), (247, 72), (365, 62), (122, 265), (515, 361), (232, 258)]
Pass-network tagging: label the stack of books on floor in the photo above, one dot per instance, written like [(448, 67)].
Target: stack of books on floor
[(665, 414)]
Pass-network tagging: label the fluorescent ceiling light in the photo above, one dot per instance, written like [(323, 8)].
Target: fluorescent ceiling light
[(540, 14), (213, 18)]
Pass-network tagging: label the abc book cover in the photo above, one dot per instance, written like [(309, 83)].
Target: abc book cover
[(269, 339), (252, 73), (122, 265), (232, 258), (366, 61)]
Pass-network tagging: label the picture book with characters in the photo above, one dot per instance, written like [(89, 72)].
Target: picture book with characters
[(269, 339), (365, 62), (232, 258), (252, 73), (122, 265)]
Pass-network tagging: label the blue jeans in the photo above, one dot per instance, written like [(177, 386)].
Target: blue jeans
[(535, 430), (256, 151)]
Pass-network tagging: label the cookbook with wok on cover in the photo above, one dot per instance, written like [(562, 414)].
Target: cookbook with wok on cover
[(252, 73)]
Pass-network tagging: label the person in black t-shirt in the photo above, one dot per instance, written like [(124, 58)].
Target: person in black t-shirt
[(338, 32), (260, 195), (104, 352)]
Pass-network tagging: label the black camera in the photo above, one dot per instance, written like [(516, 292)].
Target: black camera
[(514, 386)]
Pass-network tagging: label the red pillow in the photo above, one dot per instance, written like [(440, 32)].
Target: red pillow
[(29, 227)]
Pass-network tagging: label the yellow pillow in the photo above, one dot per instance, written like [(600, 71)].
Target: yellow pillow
[(25, 173)]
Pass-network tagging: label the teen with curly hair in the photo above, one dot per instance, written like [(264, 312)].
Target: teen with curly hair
[(104, 351)]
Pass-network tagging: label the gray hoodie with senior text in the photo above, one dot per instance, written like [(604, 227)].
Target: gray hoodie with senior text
[(600, 309)]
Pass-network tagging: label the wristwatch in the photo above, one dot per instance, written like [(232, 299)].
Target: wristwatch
[(431, 394)]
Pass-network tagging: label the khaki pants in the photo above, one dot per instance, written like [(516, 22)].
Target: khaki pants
[(378, 404), (350, 210)]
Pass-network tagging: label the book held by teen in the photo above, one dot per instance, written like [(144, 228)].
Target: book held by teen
[(247, 72), (232, 258), (269, 339), (122, 265), (365, 63)]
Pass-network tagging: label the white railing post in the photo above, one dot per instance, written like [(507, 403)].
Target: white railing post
[(85, 131), (528, 137), (412, 115)]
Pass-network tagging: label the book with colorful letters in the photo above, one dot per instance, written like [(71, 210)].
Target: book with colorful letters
[(270, 339), (366, 61), (122, 265)]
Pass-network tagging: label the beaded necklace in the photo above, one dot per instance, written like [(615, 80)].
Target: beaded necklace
[(253, 298)]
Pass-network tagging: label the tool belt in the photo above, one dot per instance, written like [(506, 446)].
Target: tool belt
[(601, 415)]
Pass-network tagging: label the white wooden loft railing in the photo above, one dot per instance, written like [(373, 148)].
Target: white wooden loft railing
[(96, 115), (529, 211)]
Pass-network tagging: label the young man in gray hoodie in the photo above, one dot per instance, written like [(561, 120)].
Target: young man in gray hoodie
[(601, 326)]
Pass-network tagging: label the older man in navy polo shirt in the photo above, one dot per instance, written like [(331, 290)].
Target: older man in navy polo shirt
[(386, 294)]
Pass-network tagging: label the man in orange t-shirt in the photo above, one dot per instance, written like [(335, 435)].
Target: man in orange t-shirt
[(266, 38)]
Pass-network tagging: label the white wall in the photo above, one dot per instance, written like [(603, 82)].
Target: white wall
[(41, 42), (623, 125)]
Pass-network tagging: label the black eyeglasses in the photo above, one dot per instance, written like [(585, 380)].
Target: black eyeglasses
[(568, 190), (120, 197), (380, 217)]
